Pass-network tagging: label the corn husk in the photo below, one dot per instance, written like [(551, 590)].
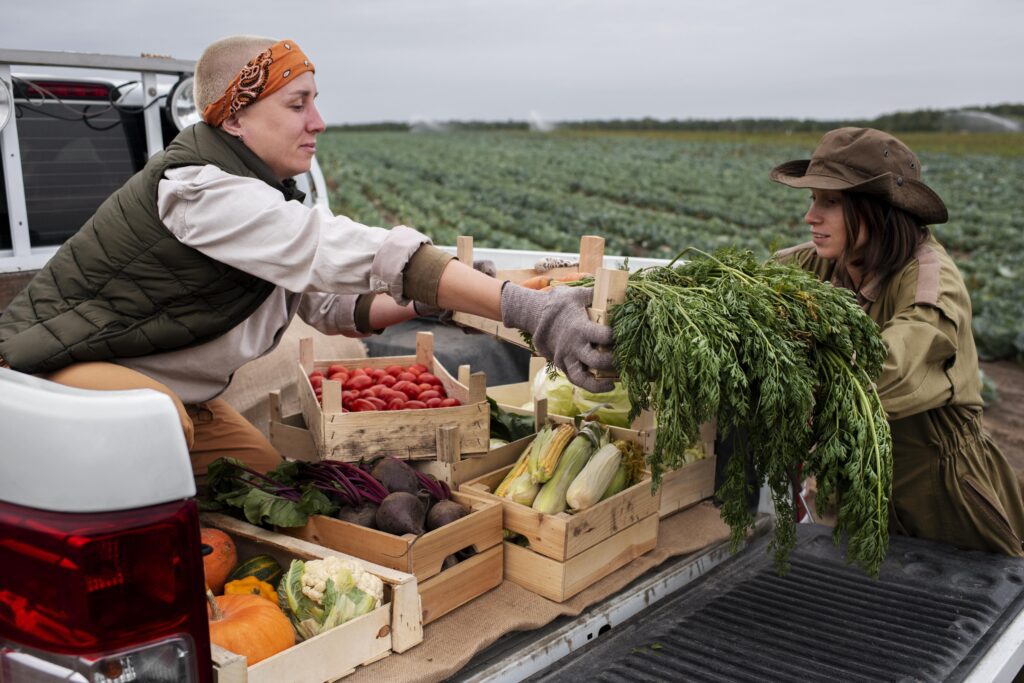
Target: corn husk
[(593, 480)]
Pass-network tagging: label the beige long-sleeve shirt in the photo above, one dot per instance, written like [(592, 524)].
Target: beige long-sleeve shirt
[(320, 263)]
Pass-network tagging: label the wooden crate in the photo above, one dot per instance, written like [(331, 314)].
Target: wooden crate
[(395, 626), (422, 556), (681, 488), (559, 581), (405, 434), (591, 258), (288, 434), (694, 481), (564, 536)]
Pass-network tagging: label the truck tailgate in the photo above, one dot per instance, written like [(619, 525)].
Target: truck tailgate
[(931, 615)]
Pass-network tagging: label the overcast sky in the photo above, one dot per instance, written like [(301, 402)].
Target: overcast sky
[(401, 60)]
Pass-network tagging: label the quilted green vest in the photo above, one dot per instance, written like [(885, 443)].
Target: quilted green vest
[(124, 286)]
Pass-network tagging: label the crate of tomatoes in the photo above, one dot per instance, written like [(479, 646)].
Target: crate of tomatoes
[(393, 405)]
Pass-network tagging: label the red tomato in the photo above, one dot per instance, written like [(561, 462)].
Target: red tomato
[(378, 403), (355, 372), (428, 378), (316, 380), (369, 391), (316, 372), (358, 382), (337, 368), (450, 402), (426, 387), (378, 373), (427, 395), (362, 405), (433, 402), (407, 388), (394, 370), (396, 404), (349, 395), (418, 368), (406, 377), (387, 380), (415, 405), (387, 393)]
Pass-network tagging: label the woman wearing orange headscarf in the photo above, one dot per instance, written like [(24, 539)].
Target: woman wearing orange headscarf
[(198, 263)]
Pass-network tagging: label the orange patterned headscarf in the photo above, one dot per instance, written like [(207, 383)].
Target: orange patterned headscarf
[(267, 72)]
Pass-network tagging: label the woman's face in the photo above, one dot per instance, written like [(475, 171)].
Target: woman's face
[(828, 226), (281, 129)]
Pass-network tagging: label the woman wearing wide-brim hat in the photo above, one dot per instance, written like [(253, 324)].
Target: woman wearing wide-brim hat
[(868, 219)]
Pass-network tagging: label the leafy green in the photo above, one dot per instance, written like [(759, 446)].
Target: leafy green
[(509, 426), (277, 498), (770, 349)]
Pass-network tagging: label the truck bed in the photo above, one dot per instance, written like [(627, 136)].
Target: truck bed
[(934, 614)]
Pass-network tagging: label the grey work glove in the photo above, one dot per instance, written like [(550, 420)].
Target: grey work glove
[(562, 330), (443, 315)]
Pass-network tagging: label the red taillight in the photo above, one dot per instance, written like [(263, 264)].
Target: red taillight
[(88, 584), (67, 90)]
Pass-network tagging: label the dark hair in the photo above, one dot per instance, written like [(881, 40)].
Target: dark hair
[(893, 237)]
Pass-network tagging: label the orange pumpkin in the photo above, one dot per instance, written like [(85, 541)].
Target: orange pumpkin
[(248, 625), (219, 563)]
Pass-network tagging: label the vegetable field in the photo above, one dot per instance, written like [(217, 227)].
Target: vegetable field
[(655, 194)]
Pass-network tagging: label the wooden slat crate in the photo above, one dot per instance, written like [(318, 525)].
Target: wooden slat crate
[(395, 626), (680, 488), (288, 434), (559, 581), (591, 258), (405, 434), (566, 535), (440, 591)]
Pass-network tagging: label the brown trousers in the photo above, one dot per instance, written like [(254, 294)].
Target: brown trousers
[(213, 429)]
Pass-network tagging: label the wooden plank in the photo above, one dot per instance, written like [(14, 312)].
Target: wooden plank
[(272, 540), (559, 581), (465, 581), (421, 556), (687, 486), (465, 469), (406, 616), (565, 535), (228, 667), (333, 654), (591, 253)]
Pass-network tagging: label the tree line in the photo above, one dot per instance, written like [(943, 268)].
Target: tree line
[(921, 120)]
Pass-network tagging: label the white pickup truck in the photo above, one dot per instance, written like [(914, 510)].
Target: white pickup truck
[(101, 576)]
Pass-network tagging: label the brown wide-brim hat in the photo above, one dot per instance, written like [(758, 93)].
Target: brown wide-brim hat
[(869, 161)]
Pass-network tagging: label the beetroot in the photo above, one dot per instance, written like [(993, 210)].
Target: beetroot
[(401, 513), (396, 475), (445, 512), (363, 515)]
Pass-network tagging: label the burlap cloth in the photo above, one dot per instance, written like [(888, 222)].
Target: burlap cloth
[(451, 641)]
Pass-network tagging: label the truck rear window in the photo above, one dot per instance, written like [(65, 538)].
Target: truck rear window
[(69, 168)]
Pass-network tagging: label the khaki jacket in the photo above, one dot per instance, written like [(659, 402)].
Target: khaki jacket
[(950, 482)]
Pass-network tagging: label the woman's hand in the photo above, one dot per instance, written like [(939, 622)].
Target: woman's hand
[(562, 330)]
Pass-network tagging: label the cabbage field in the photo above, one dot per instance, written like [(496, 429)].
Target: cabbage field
[(655, 194)]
